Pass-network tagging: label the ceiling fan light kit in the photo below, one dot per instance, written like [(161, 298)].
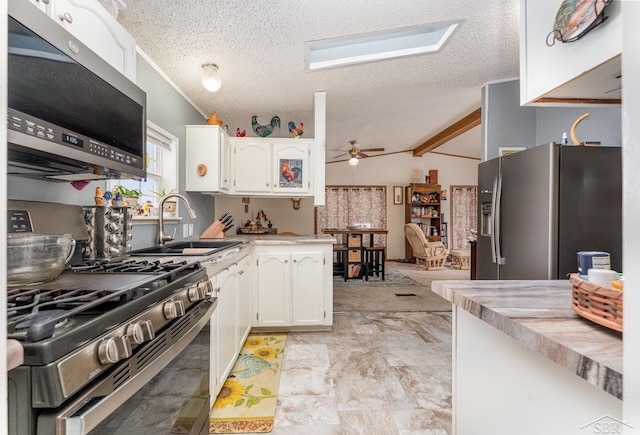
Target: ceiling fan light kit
[(355, 152)]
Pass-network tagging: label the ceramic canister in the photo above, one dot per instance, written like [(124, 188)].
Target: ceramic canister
[(593, 260)]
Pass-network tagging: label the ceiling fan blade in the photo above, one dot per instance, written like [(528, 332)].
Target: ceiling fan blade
[(360, 153), (373, 149), (340, 155)]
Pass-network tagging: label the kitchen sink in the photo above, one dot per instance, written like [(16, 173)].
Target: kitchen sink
[(201, 247)]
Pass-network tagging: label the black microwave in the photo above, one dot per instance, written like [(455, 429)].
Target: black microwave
[(71, 115)]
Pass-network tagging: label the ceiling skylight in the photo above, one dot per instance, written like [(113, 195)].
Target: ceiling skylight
[(371, 47)]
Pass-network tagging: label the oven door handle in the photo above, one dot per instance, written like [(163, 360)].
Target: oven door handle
[(94, 405)]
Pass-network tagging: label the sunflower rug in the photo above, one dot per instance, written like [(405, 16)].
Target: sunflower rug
[(247, 400)]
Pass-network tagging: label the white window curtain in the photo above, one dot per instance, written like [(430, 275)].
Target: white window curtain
[(350, 205), (464, 214)]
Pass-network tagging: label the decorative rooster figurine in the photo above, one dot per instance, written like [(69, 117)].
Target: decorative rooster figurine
[(264, 130), (296, 132), (240, 133)]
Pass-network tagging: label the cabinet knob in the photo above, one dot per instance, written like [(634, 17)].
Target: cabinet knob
[(66, 17), (201, 169), (266, 184)]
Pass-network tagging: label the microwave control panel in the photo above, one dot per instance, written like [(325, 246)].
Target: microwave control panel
[(37, 128)]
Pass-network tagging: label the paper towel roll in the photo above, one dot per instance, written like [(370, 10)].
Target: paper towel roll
[(602, 277)]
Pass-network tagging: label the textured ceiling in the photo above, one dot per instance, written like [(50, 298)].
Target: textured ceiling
[(258, 45)]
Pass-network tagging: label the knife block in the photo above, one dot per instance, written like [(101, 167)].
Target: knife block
[(214, 231)]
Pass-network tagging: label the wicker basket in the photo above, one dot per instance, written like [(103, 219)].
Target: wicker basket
[(601, 305)]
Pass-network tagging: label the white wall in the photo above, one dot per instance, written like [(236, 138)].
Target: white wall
[(398, 170), (279, 211)]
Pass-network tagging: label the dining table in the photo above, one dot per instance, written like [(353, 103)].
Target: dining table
[(345, 232)]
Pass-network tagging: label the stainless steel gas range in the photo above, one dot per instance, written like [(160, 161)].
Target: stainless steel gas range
[(97, 334)]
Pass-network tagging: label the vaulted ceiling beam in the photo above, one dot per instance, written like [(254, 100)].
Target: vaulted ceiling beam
[(454, 130)]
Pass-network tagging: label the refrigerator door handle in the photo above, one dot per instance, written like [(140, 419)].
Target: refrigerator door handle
[(492, 218), (497, 220)]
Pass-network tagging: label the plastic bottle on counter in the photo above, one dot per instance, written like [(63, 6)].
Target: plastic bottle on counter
[(565, 139)]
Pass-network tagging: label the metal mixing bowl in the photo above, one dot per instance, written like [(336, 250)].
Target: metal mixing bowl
[(36, 258)]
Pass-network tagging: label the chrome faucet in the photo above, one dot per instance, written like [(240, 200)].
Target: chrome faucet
[(162, 237)]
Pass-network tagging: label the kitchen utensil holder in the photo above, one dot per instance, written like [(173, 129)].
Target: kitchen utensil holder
[(109, 230)]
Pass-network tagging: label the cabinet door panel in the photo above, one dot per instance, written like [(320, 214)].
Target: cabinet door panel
[(308, 288), (97, 29), (291, 167), (244, 300), (252, 166), (225, 161), (202, 167), (226, 341), (274, 288)]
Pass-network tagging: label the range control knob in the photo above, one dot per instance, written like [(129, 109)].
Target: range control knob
[(113, 349), (208, 287), (173, 309), (141, 331), (199, 292)]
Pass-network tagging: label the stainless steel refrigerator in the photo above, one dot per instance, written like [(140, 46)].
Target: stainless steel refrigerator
[(540, 206)]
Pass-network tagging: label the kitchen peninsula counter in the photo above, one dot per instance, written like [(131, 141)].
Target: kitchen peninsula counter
[(522, 341), (285, 239)]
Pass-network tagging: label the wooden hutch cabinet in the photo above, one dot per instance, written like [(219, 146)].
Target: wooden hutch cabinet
[(422, 207)]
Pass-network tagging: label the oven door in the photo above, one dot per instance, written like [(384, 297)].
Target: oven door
[(170, 369)]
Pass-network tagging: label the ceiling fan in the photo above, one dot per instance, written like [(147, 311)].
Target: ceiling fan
[(355, 152)]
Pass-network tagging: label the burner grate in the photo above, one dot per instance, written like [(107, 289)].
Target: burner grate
[(127, 265), (37, 313)]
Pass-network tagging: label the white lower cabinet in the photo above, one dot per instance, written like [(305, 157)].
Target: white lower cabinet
[(230, 323), (274, 289), (244, 300), (294, 286), (227, 341)]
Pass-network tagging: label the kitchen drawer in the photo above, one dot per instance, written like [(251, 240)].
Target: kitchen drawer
[(355, 255), (354, 240)]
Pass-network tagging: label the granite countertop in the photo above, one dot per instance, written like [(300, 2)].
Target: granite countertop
[(285, 239), (538, 314), (220, 260)]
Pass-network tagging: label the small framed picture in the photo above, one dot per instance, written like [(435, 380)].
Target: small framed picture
[(505, 151), (398, 197)]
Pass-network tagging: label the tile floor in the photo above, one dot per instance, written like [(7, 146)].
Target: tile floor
[(374, 373)]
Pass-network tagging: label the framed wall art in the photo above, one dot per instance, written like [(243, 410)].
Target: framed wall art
[(398, 197)]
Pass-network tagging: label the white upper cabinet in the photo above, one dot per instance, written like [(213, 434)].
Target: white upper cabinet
[(277, 167), (208, 166), (586, 71), (251, 166), (96, 28)]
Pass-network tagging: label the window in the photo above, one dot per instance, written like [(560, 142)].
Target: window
[(351, 205), (162, 166)]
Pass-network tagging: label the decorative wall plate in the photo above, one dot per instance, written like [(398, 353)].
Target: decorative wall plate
[(576, 18)]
